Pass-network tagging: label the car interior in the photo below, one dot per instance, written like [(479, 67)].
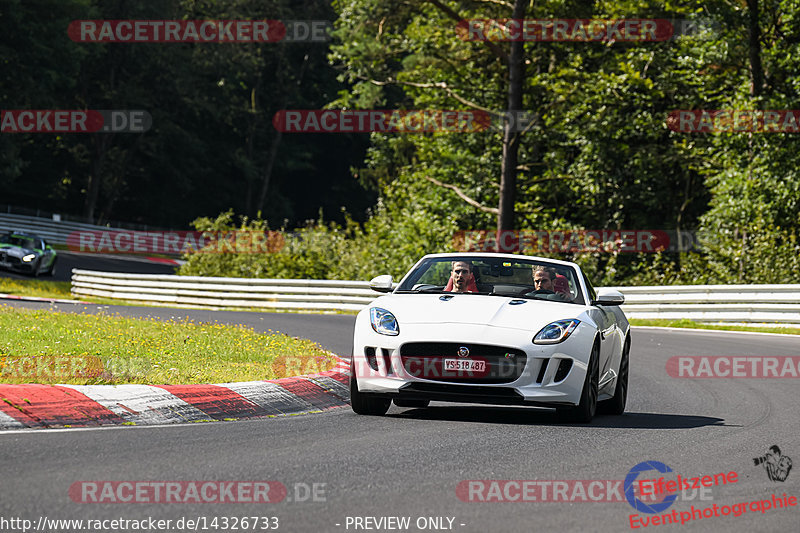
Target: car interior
[(498, 277)]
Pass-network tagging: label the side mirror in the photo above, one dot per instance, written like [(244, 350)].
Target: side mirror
[(609, 297), (381, 283)]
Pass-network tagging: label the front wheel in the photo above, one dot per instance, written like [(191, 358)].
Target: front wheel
[(585, 410), (616, 405), (52, 270), (35, 271), (363, 404)]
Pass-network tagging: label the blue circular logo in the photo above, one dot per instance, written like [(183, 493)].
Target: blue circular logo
[(636, 503)]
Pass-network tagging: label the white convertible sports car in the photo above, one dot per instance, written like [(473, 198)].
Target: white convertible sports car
[(476, 328)]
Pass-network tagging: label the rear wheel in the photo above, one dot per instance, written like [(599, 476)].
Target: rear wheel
[(616, 405), (363, 404), (412, 403), (585, 410)]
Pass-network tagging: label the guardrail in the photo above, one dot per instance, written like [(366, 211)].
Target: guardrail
[(701, 303), (53, 231), (715, 303), (220, 293)]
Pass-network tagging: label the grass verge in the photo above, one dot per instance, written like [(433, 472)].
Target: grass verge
[(684, 323), (52, 347), (36, 287)]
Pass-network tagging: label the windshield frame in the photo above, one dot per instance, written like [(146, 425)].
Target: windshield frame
[(423, 266), (20, 241)]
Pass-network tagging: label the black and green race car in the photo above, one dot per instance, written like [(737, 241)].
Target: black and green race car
[(27, 253)]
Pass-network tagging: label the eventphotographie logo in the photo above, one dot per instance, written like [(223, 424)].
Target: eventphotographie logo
[(777, 465)]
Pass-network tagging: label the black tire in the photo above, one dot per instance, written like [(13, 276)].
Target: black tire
[(616, 405), (586, 409), (35, 273), (362, 404), (52, 270), (419, 404)]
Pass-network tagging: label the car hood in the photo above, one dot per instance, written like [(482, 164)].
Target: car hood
[(476, 309), (16, 251)]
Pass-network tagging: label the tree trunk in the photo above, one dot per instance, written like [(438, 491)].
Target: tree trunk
[(267, 174), (511, 138), (101, 142), (754, 45)]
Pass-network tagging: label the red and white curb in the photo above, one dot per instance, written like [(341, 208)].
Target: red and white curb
[(49, 406)]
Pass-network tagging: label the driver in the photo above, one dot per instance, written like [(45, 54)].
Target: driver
[(461, 278), (545, 285), (543, 279)]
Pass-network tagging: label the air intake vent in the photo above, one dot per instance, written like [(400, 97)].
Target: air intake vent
[(372, 361), (563, 369), (542, 370)]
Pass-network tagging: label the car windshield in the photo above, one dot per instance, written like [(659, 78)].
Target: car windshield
[(495, 276), (18, 240)]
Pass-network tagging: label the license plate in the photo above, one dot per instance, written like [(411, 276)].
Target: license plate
[(467, 365)]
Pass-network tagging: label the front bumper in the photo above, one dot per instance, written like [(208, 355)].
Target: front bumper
[(9, 262), (409, 366)]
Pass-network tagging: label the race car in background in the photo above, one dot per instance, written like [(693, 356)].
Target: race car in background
[(27, 253), (501, 341)]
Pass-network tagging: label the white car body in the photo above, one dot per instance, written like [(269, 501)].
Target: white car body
[(497, 329)]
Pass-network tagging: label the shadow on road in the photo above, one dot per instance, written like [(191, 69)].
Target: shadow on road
[(535, 416)]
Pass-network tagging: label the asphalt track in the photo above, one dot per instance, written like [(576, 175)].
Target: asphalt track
[(102, 262), (409, 463)]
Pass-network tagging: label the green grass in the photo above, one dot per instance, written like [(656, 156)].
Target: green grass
[(684, 323), (35, 287), (52, 347)]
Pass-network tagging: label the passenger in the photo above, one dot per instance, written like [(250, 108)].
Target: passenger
[(561, 286), (461, 278)]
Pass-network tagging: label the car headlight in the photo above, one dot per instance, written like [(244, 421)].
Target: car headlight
[(383, 321), (556, 332), (28, 258)]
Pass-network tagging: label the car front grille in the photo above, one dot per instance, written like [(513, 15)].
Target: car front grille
[(426, 360), (9, 259)]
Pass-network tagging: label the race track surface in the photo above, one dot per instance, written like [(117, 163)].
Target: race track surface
[(411, 462), (102, 262)]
